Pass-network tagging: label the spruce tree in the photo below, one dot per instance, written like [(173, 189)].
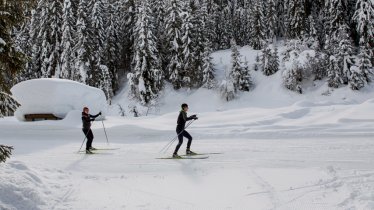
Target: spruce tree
[(188, 54), (83, 47), (146, 77), (334, 73), (12, 60), (173, 37), (258, 28), (99, 75), (270, 61), (271, 17), (296, 15), (364, 19), (292, 78), (67, 42), (208, 69), (5, 152)]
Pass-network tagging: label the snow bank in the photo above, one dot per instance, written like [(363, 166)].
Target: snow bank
[(20, 187), (56, 96)]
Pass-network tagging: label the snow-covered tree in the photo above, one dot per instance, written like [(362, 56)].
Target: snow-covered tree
[(83, 46), (67, 42), (258, 34), (356, 78), (146, 77), (296, 18), (49, 37), (188, 54), (364, 19), (11, 59), (271, 17), (270, 61), (113, 46), (173, 37), (239, 73), (5, 152), (245, 80), (98, 74), (208, 69), (334, 73), (364, 64), (292, 78), (227, 90)]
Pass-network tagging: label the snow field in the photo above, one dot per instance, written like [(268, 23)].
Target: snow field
[(305, 156)]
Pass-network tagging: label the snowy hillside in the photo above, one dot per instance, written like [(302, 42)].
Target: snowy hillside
[(303, 156), (278, 150)]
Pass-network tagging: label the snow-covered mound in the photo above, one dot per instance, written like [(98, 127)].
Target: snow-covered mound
[(56, 96)]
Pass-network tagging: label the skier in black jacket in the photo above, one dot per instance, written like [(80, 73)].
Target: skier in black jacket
[(86, 120), (181, 123)]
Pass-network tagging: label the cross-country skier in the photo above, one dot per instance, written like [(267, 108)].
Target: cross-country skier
[(87, 119), (181, 123)]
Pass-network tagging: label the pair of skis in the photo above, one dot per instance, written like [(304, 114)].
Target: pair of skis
[(98, 150), (194, 156)]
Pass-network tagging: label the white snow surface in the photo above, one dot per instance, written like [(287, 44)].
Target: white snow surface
[(279, 150), (56, 96)]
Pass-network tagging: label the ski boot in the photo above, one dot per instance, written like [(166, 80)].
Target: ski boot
[(93, 148), (190, 153), (176, 156), (89, 152)]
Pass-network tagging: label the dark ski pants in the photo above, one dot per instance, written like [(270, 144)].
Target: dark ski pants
[(183, 133), (88, 133)]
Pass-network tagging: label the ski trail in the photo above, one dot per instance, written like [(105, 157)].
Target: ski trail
[(268, 189)]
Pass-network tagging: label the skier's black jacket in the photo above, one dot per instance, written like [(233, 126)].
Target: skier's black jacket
[(182, 119), (86, 119)]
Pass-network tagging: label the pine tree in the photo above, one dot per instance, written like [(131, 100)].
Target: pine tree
[(188, 54), (296, 18), (311, 38), (67, 42), (334, 73), (5, 152), (356, 79), (83, 47), (258, 27), (146, 77), (345, 51), (293, 77), (113, 46), (271, 17), (99, 75), (208, 69), (49, 38), (175, 56), (236, 65), (245, 81), (11, 60), (270, 61), (364, 63), (364, 18)]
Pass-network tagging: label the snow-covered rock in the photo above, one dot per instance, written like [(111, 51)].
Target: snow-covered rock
[(57, 97)]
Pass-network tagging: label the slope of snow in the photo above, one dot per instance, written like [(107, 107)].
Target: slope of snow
[(304, 156), (279, 150), (56, 96), (269, 91)]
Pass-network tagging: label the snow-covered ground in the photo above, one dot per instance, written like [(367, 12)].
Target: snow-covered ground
[(299, 157), (280, 150)]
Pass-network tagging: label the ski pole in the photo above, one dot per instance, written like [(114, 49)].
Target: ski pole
[(84, 139), (107, 141), (167, 146)]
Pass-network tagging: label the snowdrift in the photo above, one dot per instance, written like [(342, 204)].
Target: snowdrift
[(57, 97)]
